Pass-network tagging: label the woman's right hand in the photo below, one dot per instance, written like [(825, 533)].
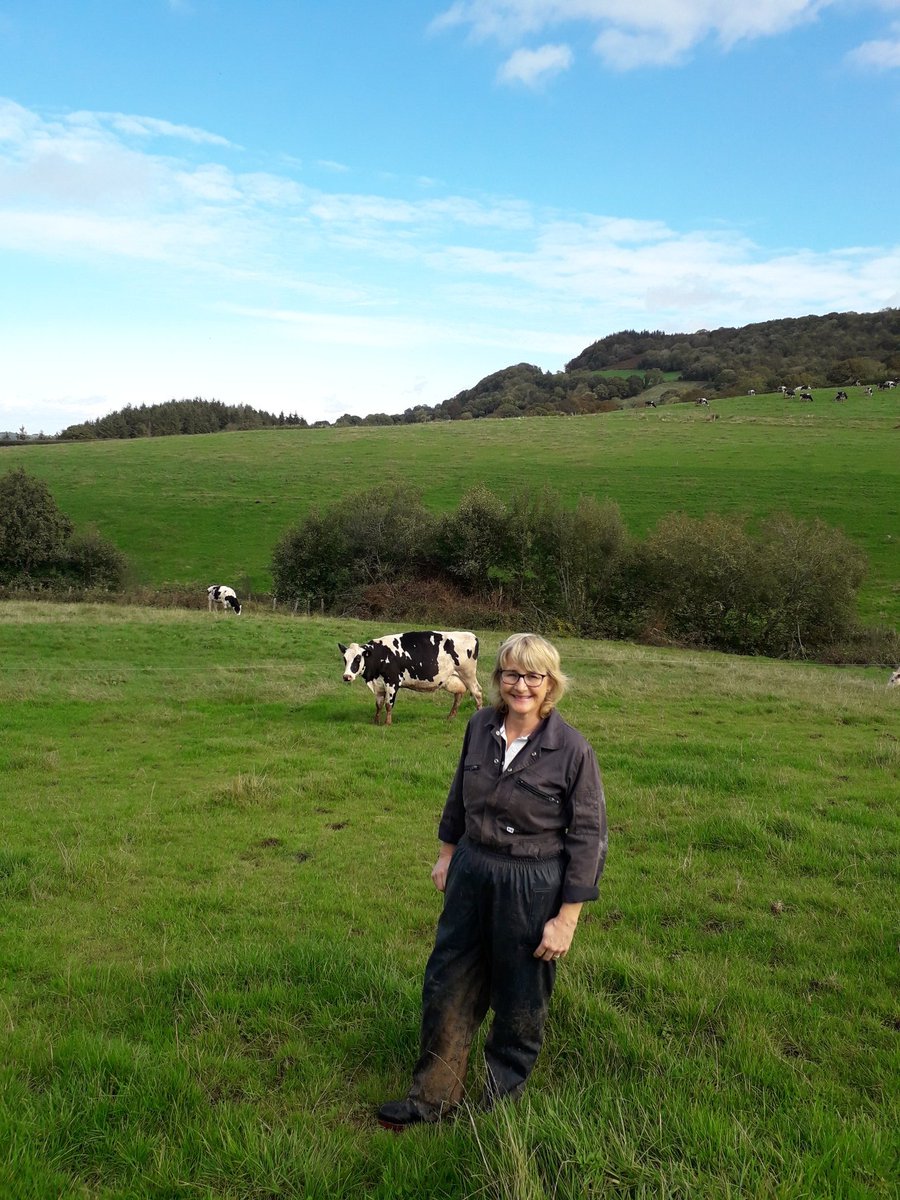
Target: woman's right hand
[(440, 868)]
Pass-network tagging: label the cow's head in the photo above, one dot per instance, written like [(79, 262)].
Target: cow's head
[(354, 660), (234, 604)]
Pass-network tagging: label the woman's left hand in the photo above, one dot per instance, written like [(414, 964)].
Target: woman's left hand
[(558, 933)]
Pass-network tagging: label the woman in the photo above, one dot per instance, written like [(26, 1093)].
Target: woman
[(523, 842)]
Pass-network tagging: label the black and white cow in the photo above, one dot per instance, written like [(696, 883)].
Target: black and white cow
[(894, 680), (218, 593), (422, 661)]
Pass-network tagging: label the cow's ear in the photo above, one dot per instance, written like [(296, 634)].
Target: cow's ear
[(342, 648)]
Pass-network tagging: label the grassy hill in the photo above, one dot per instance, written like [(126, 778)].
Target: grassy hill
[(209, 508), (214, 881)]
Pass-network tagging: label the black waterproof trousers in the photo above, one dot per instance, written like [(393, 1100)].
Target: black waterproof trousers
[(495, 909)]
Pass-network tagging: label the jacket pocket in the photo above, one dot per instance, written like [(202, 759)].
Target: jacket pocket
[(536, 791)]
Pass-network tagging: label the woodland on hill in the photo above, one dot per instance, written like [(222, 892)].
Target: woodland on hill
[(174, 417), (840, 348), (832, 350)]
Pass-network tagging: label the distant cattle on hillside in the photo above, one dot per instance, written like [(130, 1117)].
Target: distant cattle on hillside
[(423, 661)]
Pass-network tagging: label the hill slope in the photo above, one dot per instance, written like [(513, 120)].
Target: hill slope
[(209, 509)]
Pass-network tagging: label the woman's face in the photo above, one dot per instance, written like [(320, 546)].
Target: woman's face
[(522, 699)]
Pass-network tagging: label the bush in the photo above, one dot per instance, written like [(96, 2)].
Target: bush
[(474, 541), (40, 551), (789, 588), (94, 562), (33, 531), (376, 536)]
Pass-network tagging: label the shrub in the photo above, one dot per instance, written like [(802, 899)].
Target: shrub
[(38, 548), (375, 536), (94, 562), (33, 531), (788, 588), (474, 541)]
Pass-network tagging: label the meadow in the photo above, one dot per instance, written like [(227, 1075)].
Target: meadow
[(215, 910), (208, 509)]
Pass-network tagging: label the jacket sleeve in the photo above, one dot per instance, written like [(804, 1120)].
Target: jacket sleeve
[(585, 840), (453, 820)]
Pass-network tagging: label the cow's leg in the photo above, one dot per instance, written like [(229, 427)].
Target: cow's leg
[(389, 702), (469, 678), (379, 704), (457, 689)]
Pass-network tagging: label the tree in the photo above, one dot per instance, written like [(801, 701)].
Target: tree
[(33, 531)]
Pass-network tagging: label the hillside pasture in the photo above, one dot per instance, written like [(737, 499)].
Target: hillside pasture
[(210, 508), (214, 881)]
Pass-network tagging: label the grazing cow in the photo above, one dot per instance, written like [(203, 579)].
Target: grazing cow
[(422, 661), (218, 593), (703, 400), (841, 396), (806, 396), (790, 392), (894, 680), (752, 392), (887, 385), (868, 391), (650, 404)]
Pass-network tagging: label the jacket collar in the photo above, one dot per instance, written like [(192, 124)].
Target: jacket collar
[(549, 735)]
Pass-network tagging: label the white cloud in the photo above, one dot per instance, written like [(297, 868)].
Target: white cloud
[(146, 127), (255, 273), (532, 67), (881, 54), (627, 34)]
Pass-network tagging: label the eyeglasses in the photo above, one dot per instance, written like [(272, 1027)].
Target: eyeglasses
[(532, 678)]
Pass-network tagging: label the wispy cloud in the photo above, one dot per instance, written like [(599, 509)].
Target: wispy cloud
[(391, 274), (533, 67), (627, 35), (882, 54)]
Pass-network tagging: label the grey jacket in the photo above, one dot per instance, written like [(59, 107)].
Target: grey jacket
[(548, 801)]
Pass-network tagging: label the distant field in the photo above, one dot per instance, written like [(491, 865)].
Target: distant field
[(210, 508), (216, 910)]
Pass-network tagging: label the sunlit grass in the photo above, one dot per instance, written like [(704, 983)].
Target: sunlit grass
[(216, 908)]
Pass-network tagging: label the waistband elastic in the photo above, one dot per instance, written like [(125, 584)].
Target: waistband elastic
[(506, 856)]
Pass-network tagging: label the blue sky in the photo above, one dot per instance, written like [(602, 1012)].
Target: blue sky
[(323, 207)]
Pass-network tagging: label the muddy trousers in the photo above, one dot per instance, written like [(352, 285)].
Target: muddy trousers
[(495, 909)]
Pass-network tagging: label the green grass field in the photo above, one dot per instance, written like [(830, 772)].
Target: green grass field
[(209, 509), (215, 909)]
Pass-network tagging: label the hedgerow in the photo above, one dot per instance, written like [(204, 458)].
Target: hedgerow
[(783, 588)]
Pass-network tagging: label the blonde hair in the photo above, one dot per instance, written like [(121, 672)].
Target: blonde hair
[(532, 653)]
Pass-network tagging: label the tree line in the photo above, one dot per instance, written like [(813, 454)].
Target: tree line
[(837, 350), (177, 417)]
